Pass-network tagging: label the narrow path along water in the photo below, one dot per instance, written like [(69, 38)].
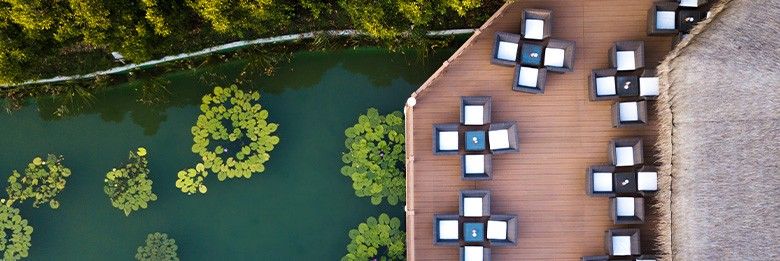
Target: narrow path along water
[(300, 208)]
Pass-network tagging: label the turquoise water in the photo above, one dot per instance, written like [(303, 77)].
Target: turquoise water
[(300, 208)]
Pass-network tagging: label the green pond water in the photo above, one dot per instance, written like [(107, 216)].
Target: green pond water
[(300, 208)]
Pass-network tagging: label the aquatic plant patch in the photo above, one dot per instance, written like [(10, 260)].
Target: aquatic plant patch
[(232, 136), (375, 157), (129, 188), (15, 234), (42, 181)]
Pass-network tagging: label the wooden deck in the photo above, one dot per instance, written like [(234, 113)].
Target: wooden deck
[(561, 134)]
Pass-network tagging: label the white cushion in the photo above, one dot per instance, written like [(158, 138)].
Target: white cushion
[(473, 115), (625, 61), (664, 20), (605, 86), (629, 111), (602, 182), (647, 181), (475, 164), (621, 245), (624, 156), (553, 57), (534, 29), (499, 139), (472, 207), (507, 51), (689, 3), (625, 206), (448, 229), (496, 229), (448, 140), (648, 86), (473, 253), (528, 76)]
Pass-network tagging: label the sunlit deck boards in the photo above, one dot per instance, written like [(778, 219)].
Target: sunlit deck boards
[(561, 134)]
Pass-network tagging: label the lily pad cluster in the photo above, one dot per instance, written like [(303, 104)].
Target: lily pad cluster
[(377, 239), (42, 181), (375, 157), (158, 248), (15, 234), (129, 188), (232, 136)]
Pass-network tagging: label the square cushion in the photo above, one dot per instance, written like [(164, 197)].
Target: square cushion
[(534, 29), (528, 77), (624, 156), (473, 253), (475, 164), (664, 20), (554, 57), (621, 245), (448, 140), (602, 182), (448, 229), (499, 139), (605, 86), (473, 115), (625, 206), (628, 111), (507, 51), (472, 207), (648, 86), (647, 181), (496, 229), (625, 61), (689, 3)]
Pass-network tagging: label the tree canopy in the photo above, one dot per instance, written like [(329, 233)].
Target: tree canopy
[(232, 136), (158, 247), (375, 157), (42, 181), (377, 239), (129, 188), (43, 38), (15, 234)]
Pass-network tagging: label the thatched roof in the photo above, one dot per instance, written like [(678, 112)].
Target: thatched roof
[(720, 134)]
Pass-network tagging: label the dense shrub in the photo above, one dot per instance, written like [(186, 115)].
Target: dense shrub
[(375, 157)]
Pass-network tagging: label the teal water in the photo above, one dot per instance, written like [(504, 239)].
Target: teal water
[(300, 208)]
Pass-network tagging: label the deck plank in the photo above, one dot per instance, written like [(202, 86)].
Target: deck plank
[(561, 134)]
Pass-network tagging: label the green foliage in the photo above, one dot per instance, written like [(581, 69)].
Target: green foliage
[(375, 157), (158, 248), (236, 17), (377, 239), (232, 136), (42, 181), (129, 188), (15, 234), (44, 38), (388, 19)]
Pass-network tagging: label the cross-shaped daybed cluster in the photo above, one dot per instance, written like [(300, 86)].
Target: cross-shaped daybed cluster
[(474, 229), (676, 17), (626, 182), (475, 138), (627, 82), (532, 52)]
